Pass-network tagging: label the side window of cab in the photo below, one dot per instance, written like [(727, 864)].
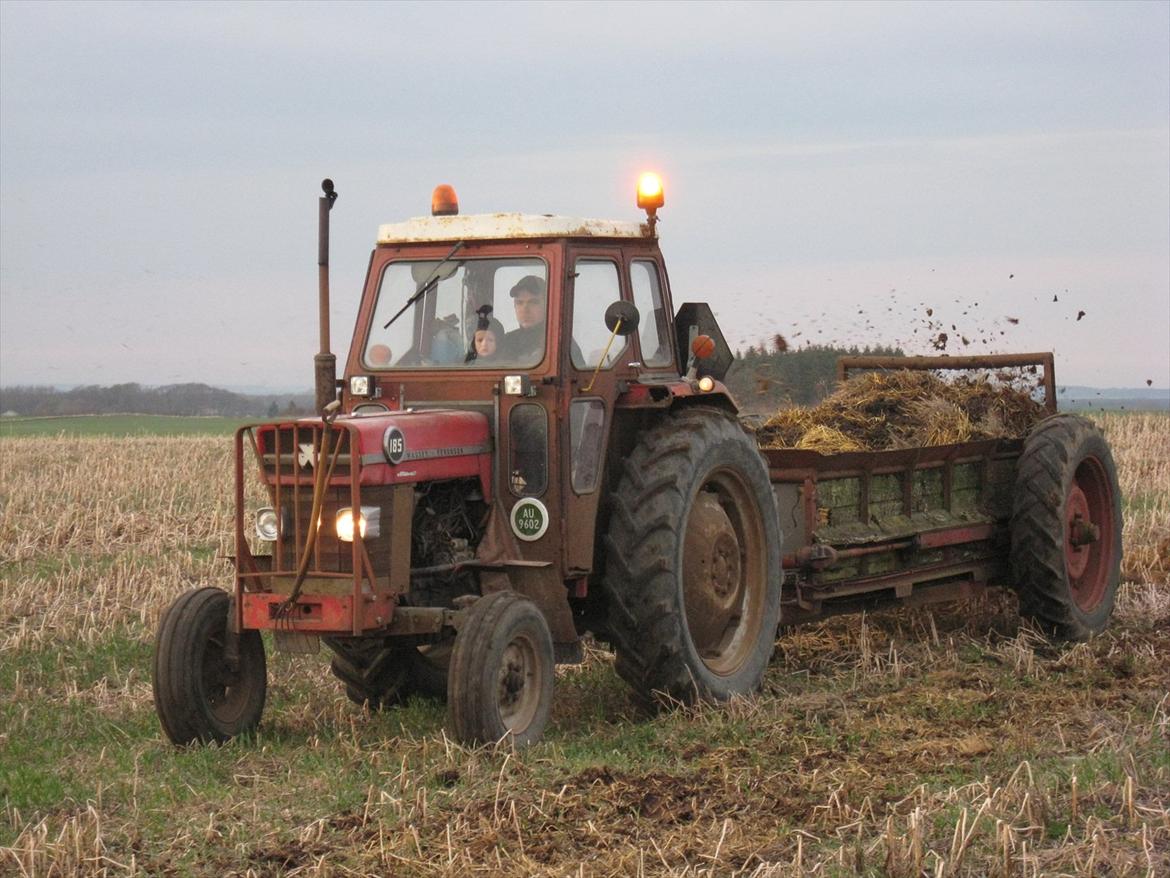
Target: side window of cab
[(653, 327), (595, 287)]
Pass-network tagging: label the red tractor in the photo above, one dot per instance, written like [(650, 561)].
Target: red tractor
[(530, 442)]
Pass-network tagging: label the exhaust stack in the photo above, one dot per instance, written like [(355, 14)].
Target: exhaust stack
[(325, 362)]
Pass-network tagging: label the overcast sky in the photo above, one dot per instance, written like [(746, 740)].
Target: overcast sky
[(832, 170)]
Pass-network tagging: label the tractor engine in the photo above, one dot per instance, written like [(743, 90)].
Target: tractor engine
[(449, 519), (367, 513)]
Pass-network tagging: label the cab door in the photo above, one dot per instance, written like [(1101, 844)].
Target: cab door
[(595, 362)]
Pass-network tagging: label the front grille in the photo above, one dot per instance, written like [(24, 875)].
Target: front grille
[(289, 452), (290, 457)]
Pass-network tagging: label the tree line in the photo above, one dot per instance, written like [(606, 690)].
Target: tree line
[(173, 399), (770, 376), (762, 379)]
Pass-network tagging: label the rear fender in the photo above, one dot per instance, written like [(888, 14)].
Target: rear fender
[(671, 395)]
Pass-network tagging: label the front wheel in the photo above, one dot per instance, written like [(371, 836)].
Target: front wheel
[(693, 561), (500, 681), (1066, 528), (197, 694)]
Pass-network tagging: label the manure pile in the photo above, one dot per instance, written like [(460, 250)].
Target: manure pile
[(878, 411)]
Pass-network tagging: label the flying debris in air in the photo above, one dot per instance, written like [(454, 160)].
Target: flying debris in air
[(1149, 382), (1010, 276), (1055, 298), (1080, 314), (1013, 320)]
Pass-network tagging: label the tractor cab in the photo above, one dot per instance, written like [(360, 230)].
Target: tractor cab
[(546, 326)]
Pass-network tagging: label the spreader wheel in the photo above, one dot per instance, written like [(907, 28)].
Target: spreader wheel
[(501, 678), (197, 694), (1066, 528)]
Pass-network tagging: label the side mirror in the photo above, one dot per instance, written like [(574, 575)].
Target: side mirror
[(625, 313)]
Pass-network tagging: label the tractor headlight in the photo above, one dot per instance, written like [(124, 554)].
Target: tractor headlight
[(363, 385), (271, 524), (368, 523), (267, 524), (518, 385)]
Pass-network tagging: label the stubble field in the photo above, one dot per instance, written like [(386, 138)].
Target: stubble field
[(957, 742)]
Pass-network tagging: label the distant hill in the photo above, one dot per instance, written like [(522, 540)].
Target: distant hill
[(172, 399), (1073, 397), (760, 380)]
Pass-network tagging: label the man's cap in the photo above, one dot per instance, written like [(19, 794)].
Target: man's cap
[(532, 284)]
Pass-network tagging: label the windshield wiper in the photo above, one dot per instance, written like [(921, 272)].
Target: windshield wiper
[(425, 286)]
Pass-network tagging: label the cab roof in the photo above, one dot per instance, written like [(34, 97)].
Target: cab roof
[(503, 226)]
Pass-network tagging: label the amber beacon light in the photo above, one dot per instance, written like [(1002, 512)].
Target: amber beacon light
[(443, 201), (650, 192)]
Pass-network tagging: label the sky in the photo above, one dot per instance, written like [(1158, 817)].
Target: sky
[(832, 170)]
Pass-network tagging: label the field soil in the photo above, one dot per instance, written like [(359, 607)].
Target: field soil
[(952, 742)]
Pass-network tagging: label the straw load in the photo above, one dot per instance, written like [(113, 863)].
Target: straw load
[(877, 411)]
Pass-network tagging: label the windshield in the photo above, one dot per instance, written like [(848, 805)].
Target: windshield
[(480, 314)]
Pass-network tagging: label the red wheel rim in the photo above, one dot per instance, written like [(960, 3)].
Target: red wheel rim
[(1088, 534)]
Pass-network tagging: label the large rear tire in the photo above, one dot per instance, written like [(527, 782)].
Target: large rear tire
[(429, 667), (500, 682), (374, 673), (377, 673), (693, 561), (197, 696), (1066, 528)]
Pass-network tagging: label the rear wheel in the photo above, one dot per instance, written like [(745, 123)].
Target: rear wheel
[(500, 682), (1066, 528), (375, 674), (429, 666), (378, 673), (197, 694), (693, 561)]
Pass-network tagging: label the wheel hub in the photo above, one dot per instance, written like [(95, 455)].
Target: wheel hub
[(518, 690), (1089, 534), (511, 679), (1077, 516), (221, 685), (713, 573)]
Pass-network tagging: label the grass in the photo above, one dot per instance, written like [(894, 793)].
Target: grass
[(957, 742), (120, 425)]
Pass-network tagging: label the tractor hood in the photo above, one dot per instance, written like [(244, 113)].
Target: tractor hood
[(423, 446)]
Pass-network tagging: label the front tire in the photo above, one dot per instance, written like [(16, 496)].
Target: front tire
[(693, 561), (500, 682), (197, 696), (1066, 528)]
